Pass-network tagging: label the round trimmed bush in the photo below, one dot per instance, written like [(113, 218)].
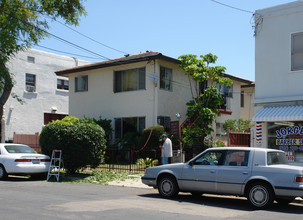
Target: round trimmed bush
[(82, 142)]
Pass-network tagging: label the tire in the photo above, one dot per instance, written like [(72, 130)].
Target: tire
[(3, 174), (168, 187), (285, 201), (260, 195)]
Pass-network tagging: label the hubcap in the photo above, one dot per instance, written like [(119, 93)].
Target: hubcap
[(259, 195), (166, 186)]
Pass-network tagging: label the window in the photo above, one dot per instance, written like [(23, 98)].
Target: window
[(210, 158), (81, 83), (62, 84), (226, 94), (129, 80), (297, 51), (242, 99), (126, 125), (30, 82), (274, 158), (31, 59), (49, 117), (165, 78), (236, 158)]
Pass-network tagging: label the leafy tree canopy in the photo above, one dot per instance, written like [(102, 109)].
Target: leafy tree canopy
[(22, 24), (204, 105)]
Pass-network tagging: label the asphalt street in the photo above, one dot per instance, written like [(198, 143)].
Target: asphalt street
[(25, 199)]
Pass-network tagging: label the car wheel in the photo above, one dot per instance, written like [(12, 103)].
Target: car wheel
[(260, 195), (285, 201), (3, 173), (168, 187)]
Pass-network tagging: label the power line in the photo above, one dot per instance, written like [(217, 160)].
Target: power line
[(66, 52), (91, 38), (229, 6), (60, 39)]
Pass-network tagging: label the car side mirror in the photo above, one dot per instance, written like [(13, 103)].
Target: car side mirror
[(191, 163)]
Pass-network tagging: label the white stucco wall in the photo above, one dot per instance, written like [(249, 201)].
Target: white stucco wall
[(247, 112), (29, 117), (233, 104), (100, 99), (274, 79), (174, 101)]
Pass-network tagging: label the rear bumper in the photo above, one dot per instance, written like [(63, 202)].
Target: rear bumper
[(289, 191), (28, 169)]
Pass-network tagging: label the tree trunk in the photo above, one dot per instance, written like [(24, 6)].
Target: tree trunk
[(7, 85)]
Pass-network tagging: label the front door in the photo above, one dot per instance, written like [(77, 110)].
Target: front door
[(201, 174)]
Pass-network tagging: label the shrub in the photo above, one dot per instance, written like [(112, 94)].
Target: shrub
[(237, 125), (155, 138), (82, 142)]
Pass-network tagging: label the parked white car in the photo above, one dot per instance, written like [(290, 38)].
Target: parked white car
[(18, 159), (261, 175)]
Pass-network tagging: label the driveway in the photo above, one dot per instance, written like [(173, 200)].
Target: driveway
[(25, 199)]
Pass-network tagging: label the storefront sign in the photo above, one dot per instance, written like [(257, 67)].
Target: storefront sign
[(290, 139)]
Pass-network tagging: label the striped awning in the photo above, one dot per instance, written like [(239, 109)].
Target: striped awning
[(280, 113)]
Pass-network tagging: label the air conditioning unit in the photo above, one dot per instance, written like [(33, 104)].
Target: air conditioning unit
[(30, 88)]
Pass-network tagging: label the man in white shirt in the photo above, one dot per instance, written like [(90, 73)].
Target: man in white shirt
[(167, 149)]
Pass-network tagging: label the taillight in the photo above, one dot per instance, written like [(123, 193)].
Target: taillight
[(299, 179), (45, 160), (23, 160)]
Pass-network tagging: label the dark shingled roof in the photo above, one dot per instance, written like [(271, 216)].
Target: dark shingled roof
[(147, 56)]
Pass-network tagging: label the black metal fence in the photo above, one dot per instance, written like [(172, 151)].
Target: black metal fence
[(125, 160)]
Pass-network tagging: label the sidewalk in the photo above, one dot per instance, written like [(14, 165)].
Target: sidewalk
[(135, 182)]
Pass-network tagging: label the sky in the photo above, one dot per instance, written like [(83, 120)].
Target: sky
[(171, 27)]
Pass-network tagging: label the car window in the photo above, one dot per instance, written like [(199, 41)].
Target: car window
[(209, 158), (17, 149), (236, 158), (276, 158)]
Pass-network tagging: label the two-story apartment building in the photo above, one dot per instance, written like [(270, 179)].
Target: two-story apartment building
[(279, 76), (138, 91), (44, 94)]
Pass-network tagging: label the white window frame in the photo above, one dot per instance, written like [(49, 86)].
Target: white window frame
[(167, 79), (84, 88), (295, 53), (29, 86)]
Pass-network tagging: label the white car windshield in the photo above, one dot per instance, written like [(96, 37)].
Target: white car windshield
[(19, 149), (274, 158)]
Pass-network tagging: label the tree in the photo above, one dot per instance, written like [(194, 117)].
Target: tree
[(204, 106), (22, 25)]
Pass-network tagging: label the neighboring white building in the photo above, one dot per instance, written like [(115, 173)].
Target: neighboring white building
[(45, 94), (237, 104), (279, 76), (138, 91)]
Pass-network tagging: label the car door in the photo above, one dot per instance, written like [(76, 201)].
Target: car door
[(200, 174), (233, 172)]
